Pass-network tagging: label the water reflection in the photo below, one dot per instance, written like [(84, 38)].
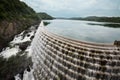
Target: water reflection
[(111, 25), (81, 30)]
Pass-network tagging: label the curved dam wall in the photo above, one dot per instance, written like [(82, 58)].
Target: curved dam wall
[(59, 58)]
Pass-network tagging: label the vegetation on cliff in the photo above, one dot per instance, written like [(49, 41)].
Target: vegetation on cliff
[(14, 9)]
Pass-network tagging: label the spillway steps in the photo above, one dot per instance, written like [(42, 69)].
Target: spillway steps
[(59, 58)]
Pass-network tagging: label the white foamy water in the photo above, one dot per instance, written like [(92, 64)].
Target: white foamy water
[(8, 52)]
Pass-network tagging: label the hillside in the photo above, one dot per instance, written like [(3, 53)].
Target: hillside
[(44, 16), (16, 16)]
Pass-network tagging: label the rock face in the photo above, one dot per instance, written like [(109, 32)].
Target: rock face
[(7, 29), (24, 45)]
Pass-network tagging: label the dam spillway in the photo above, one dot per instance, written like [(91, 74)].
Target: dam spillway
[(59, 58)]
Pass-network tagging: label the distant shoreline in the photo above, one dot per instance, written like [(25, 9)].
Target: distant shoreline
[(113, 22), (98, 19)]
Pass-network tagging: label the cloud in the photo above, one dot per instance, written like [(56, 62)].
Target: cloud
[(75, 7), (57, 5)]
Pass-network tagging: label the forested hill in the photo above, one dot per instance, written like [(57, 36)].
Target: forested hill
[(14, 9), (15, 16), (44, 16), (99, 19)]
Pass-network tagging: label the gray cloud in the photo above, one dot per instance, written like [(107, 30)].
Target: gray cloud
[(76, 7)]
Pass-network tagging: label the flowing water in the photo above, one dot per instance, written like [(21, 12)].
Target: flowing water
[(59, 58), (82, 30)]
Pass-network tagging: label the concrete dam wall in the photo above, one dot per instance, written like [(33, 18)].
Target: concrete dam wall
[(59, 58)]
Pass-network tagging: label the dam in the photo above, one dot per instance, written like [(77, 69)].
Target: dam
[(59, 58)]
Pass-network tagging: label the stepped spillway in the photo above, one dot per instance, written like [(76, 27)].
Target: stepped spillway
[(59, 58)]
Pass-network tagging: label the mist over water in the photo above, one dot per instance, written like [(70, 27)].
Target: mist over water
[(81, 30)]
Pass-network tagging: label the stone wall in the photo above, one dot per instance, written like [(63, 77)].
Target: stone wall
[(59, 58)]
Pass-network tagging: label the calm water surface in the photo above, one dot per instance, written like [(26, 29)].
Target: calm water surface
[(81, 30)]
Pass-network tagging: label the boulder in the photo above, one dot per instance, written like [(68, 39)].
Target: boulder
[(24, 45)]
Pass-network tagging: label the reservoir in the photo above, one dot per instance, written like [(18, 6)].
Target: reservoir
[(84, 31)]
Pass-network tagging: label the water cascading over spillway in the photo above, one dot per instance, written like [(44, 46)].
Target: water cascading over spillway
[(59, 58)]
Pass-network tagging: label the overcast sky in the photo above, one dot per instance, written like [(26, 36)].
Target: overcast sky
[(76, 8)]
